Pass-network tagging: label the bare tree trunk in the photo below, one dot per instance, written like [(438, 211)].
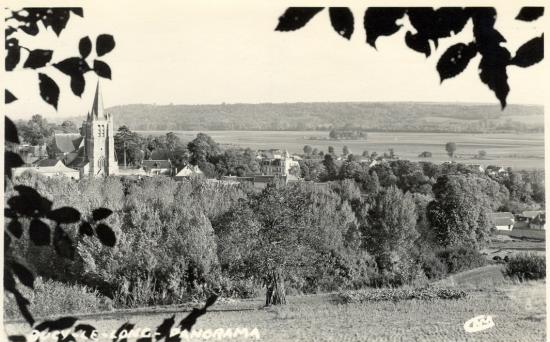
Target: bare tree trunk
[(275, 289)]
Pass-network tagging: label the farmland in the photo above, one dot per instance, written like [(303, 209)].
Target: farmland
[(518, 311), (519, 151)]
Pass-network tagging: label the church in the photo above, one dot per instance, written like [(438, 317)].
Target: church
[(88, 154)]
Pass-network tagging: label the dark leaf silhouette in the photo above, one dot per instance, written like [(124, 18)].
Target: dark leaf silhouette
[(9, 98), (30, 28), (455, 60), (30, 202), (86, 328), (58, 324), (68, 338), (22, 302), (72, 66), (102, 69), (49, 91), (23, 274), (39, 233), (125, 327), (63, 244), (15, 228), (85, 47), (9, 213), (380, 21), (9, 30), (57, 19), (341, 19), (530, 13), (190, 320), (296, 17), (164, 328), (433, 24), (101, 213), (13, 53), (493, 73), (77, 84), (529, 53), (104, 44), (17, 338), (64, 215), (38, 58), (86, 229), (77, 10), (105, 235), (10, 131), (11, 160), (7, 241), (418, 43)]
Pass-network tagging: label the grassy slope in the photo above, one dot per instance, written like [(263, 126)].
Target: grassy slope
[(518, 311)]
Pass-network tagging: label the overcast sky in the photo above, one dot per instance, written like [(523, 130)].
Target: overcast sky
[(193, 52)]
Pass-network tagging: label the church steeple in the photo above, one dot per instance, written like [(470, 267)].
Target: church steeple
[(97, 107)]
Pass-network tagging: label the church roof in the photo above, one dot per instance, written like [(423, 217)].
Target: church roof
[(46, 162), (67, 142), (80, 160), (97, 107)]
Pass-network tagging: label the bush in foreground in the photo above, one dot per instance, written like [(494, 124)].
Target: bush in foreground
[(54, 298), (458, 259), (526, 267), (398, 294)]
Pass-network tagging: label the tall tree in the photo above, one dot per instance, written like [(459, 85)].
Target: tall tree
[(459, 213), (450, 147)]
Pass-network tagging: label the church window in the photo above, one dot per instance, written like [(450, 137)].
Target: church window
[(101, 162)]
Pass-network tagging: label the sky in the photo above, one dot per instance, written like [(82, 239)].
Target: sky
[(201, 52)]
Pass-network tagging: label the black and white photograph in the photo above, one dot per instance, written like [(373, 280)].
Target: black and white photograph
[(264, 171)]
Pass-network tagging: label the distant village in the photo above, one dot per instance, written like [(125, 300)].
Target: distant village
[(91, 153)]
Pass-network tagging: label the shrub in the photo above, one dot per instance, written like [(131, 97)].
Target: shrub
[(528, 266), (54, 298), (398, 294), (460, 259), (434, 268)]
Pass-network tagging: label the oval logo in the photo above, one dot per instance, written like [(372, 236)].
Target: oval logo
[(479, 323)]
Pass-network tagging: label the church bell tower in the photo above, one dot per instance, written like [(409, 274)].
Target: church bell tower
[(99, 144)]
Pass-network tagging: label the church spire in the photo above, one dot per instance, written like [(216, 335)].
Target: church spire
[(97, 107)]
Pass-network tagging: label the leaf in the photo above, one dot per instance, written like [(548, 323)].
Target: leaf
[(64, 215), (102, 69), (86, 328), (530, 13), (163, 330), (101, 213), (85, 46), (49, 91), (63, 244), (433, 24), (7, 241), (493, 73), (77, 10), (72, 66), (15, 228), (455, 60), (39, 233), (30, 28), (9, 213), (17, 338), (58, 19), (78, 83), (10, 131), (529, 53), (380, 21), (9, 30), (58, 324), (13, 53), (11, 160), (296, 17), (9, 98), (105, 235), (86, 229), (29, 203), (38, 58), (341, 20), (124, 327), (23, 274), (418, 43), (104, 43)]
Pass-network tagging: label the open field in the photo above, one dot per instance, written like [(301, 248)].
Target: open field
[(520, 151), (518, 311)]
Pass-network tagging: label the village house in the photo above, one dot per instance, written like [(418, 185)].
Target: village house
[(189, 171), (158, 167), (48, 168), (503, 220), (533, 219)]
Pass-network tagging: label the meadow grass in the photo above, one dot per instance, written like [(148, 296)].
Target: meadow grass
[(518, 310)]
